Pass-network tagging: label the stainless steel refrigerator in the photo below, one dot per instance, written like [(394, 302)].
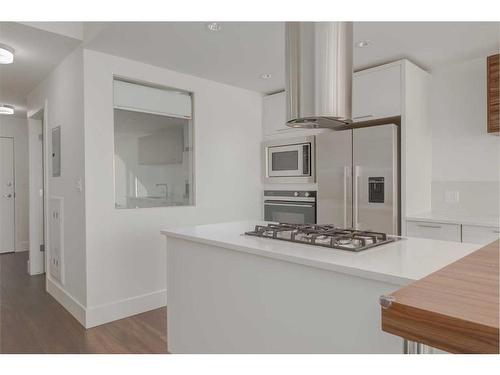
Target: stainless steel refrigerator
[(358, 178)]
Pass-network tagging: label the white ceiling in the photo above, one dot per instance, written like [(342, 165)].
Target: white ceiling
[(237, 55), (428, 44), (242, 51), (37, 52)]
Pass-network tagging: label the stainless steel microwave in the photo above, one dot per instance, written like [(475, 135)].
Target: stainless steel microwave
[(290, 160)]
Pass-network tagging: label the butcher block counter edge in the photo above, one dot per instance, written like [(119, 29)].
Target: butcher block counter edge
[(455, 309)]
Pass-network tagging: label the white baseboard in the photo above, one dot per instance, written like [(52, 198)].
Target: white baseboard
[(66, 300), (97, 315), (109, 312)]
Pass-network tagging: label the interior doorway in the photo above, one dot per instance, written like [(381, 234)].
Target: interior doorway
[(7, 198), (37, 193)]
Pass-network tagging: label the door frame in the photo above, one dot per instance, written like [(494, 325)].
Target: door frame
[(41, 113), (14, 183)]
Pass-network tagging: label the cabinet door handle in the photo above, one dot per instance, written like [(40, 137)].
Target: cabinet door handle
[(496, 231), (429, 226)]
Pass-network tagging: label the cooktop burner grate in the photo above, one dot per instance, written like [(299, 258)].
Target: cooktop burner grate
[(322, 235)]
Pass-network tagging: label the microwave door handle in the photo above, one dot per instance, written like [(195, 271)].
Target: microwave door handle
[(300, 160)]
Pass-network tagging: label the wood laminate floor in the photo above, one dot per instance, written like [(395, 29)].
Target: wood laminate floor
[(32, 321)]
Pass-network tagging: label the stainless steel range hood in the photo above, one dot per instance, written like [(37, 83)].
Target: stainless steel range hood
[(319, 74)]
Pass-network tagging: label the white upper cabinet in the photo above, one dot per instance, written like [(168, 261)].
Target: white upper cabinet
[(274, 114), (377, 92)]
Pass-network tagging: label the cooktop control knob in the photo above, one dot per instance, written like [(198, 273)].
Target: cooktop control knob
[(296, 194), (307, 194)]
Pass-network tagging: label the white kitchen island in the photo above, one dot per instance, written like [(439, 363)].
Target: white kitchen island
[(232, 293)]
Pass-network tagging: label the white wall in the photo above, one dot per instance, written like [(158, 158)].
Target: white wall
[(126, 260), (62, 90), (465, 156), (18, 129), (462, 149)]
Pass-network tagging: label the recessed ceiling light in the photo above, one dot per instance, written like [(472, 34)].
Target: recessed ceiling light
[(6, 109), (6, 54), (363, 43), (266, 75), (214, 26)]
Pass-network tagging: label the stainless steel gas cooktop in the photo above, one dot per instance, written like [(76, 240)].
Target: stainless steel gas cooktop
[(322, 235)]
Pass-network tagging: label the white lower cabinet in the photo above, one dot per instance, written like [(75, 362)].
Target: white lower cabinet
[(479, 234), (436, 231)]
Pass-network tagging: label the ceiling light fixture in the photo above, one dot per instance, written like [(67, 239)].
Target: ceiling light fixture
[(6, 54), (6, 109), (214, 26), (363, 43), (266, 75)]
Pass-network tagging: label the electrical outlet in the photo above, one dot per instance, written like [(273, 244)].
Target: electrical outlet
[(79, 185), (451, 196), (55, 269)]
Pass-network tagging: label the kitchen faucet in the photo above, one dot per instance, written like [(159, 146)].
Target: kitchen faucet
[(166, 189)]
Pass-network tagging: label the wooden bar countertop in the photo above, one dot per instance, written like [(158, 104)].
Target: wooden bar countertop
[(455, 309)]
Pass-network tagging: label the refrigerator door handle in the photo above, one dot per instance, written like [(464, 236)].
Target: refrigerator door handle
[(346, 171), (355, 197)]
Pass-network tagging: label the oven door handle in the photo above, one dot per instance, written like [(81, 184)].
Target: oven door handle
[(290, 205)]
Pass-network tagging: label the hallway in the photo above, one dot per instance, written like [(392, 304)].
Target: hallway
[(32, 321)]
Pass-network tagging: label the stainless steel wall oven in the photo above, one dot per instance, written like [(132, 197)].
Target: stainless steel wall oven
[(292, 207)]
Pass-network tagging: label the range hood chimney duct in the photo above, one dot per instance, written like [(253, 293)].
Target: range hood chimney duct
[(319, 74)]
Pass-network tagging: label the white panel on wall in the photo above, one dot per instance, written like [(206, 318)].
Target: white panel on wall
[(56, 242), (135, 97)]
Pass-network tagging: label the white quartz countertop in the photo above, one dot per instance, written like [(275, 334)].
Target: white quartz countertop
[(455, 218), (400, 262)]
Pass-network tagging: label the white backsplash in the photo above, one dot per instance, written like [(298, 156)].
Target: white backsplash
[(478, 198)]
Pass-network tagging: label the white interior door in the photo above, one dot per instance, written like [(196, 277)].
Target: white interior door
[(7, 202)]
